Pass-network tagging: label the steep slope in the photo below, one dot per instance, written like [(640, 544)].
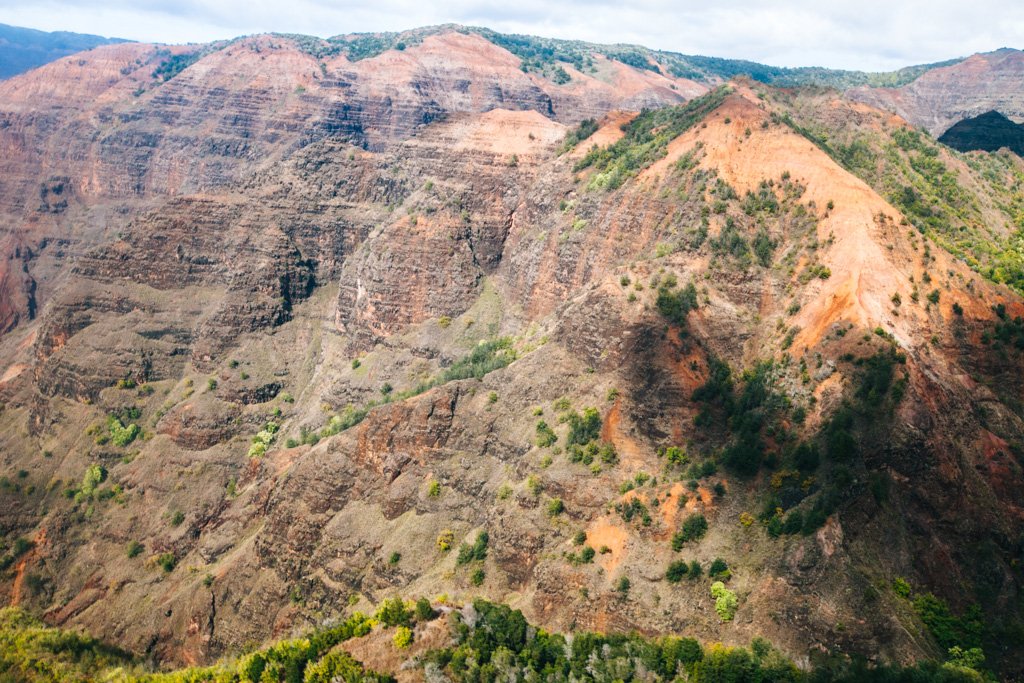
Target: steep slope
[(940, 97)]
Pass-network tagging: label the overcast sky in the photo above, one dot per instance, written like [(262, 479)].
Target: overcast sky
[(861, 34)]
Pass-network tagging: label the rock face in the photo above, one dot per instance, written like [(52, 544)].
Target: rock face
[(336, 299), (941, 97)]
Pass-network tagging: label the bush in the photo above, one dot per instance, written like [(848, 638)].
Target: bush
[(393, 612), (584, 429), (676, 571), (694, 528), (121, 435), (676, 305), (134, 549), (167, 561), (719, 568), (403, 637), (556, 507), (476, 552), (545, 435), (725, 601), (477, 577), (424, 612)]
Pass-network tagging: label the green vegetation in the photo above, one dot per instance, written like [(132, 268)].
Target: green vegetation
[(500, 645), (676, 571), (263, 439), (578, 134), (583, 429), (121, 435), (646, 140), (167, 561), (401, 640), (693, 529), (1005, 332), (632, 509), (172, 65), (674, 304), (545, 435), (725, 601), (476, 552), (496, 645)]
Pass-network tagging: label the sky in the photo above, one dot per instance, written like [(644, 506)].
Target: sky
[(874, 35)]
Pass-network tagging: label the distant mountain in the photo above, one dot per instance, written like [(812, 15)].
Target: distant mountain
[(22, 49), (940, 97), (989, 131)]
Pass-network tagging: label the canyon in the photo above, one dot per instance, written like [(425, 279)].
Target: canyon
[(282, 320)]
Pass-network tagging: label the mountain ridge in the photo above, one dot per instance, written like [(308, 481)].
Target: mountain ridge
[(22, 49)]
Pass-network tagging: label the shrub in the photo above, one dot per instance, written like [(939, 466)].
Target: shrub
[(477, 577), (94, 476), (403, 637), (720, 569), (476, 552), (556, 507), (676, 456), (545, 435), (725, 601), (763, 247), (676, 571), (167, 561), (134, 549), (623, 585), (445, 540), (177, 518), (584, 429), (676, 305), (694, 527), (424, 612), (121, 435), (393, 612)]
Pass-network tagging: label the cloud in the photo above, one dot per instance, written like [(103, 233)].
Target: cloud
[(868, 34)]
